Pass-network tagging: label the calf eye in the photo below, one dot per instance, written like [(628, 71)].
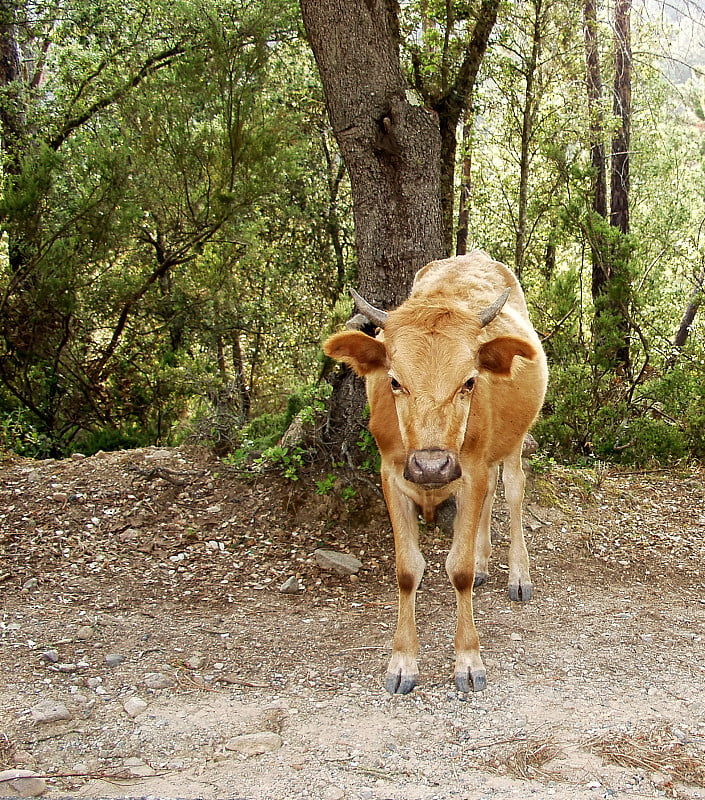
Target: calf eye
[(396, 386), (469, 385)]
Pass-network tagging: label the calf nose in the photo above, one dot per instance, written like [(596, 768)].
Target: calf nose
[(432, 467)]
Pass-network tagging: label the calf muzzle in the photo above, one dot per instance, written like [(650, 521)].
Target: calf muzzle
[(432, 467)]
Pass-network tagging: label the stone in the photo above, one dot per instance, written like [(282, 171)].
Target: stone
[(134, 706), (50, 711), (32, 583), (333, 793), (290, 586), (254, 744), (137, 768), (84, 632), (159, 680), (196, 661), (342, 563), (25, 782), (114, 659), (50, 656)]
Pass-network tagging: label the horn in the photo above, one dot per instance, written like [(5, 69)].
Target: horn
[(491, 311), (379, 318)]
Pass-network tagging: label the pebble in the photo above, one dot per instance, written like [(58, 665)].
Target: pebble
[(32, 583), (290, 586), (50, 656), (49, 711), (25, 782), (196, 661), (134, 706), (332, 793), (138, 768), (114, 659), (254, 744), (84, 632), (67, 668), (332, 561), (158, 680)]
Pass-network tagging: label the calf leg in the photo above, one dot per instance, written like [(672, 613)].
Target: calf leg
[(403, 671), (470, 672), (483, 545), (520, 588)]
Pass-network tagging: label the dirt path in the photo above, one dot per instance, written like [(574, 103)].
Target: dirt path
[(157, 567)]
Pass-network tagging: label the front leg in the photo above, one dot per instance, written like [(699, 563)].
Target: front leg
[(403, 671), (470, 672)]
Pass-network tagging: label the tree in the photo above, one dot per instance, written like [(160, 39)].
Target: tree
[(610, 250), (393, 148)]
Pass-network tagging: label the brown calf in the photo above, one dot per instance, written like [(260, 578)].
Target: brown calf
[(454, 381)]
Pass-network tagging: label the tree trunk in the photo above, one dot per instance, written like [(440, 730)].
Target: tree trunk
[(461, 242), (391, 148), (452, 102), (596, 134), (683, 331), (526, 136), (619, 205)]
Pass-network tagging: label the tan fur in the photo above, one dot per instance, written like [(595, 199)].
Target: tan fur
[(432, 345)]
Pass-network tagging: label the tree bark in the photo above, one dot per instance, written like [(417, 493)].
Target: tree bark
[(461, 241), (596, 135), (681, 336), (526, 136), (619, 204), (392, 150)]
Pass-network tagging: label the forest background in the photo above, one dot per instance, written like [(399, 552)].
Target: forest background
[(177, 226)]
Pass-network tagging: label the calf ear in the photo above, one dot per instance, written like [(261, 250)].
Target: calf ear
[(497, 355), (362, 352)]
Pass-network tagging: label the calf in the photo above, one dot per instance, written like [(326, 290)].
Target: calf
[(454, 379)]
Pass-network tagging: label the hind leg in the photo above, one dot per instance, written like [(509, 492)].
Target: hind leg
[(483, 543), (519, 579)]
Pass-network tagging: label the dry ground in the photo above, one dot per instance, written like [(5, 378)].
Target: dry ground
[(172, 563)]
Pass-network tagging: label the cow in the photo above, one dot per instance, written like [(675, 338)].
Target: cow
[(455, 377)]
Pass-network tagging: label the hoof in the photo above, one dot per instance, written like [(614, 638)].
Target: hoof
[(471, 681), (396, 683), (520, 592), (480, 578)]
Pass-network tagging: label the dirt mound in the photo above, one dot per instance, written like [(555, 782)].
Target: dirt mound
[(141, 595)]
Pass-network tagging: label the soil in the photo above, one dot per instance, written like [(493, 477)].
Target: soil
[(169, 562)]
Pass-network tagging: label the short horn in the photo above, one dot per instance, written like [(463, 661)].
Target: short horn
[(491, 311), (379, 318)]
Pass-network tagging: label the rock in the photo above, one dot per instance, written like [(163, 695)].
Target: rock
[(50, 711), (333, 793), (342, 563), (50, 656), (159, 680), (84, 632), (77, 456), (196, 661), (32, 583), (529, 447), (137, 768), (134, 706), (290, 586), (23, 781), (114, 659), (67, 668), (254, 744)]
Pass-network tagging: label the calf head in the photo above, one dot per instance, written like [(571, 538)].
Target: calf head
[(429, 358)]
